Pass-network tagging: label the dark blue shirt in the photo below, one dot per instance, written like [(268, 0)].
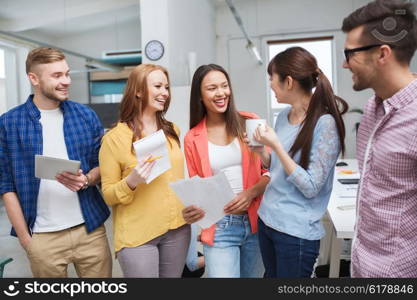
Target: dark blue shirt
[(21, 139)]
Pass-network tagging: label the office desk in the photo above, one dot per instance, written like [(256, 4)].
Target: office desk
[(343, 220)]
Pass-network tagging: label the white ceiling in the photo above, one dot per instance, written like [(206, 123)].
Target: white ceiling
[(60, 18), (65, 17)]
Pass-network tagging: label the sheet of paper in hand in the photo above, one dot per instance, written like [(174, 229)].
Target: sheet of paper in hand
[(155, 145), (210, 194)]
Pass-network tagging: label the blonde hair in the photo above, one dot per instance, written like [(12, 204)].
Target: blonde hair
[(43, 55)]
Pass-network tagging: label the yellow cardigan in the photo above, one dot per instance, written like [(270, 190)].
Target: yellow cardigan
[(150, 210)]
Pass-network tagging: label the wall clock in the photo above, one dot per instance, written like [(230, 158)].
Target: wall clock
[(154, 50)]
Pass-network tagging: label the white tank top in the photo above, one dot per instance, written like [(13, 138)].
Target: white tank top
[(227, 159)]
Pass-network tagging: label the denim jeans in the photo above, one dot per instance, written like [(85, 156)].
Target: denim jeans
[(235, 252), (285, 255)]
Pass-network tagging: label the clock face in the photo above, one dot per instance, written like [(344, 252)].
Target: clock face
[(154, 50)]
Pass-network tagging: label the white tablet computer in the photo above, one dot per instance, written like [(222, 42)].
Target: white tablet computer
[(48, 167)]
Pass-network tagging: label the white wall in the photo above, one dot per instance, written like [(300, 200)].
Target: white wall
[(272, 20), (155, 26), (192, 29), (183, 26), (179, 108)]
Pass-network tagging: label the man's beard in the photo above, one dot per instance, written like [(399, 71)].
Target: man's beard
[(358, 87), (360, 84), (52, 96)]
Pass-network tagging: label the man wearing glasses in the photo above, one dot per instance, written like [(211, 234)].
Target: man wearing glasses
[(380, 43)]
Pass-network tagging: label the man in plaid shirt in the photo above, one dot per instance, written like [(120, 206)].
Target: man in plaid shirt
[(380, 43), (58, 222)]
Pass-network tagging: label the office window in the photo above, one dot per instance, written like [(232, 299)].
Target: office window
[(321, 48), (3, 106), (2, 73)]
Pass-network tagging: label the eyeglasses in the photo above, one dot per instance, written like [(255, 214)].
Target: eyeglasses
[(348, 52)]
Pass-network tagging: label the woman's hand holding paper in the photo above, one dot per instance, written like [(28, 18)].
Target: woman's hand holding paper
[(192, 214), (240, 203)]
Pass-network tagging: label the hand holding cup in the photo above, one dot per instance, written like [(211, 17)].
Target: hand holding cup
[(266, 136), (251, 126)]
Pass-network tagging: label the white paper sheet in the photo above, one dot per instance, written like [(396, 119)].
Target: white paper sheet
[(211, 194), (48, 167), (155, 145)]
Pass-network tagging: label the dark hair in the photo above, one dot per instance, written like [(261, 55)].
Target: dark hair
[(131, 106), (302, 67), (390, 22), (43, 55), (235, 123)]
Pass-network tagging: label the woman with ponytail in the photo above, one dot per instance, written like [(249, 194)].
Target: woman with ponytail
[(306, 143), (151, 237)]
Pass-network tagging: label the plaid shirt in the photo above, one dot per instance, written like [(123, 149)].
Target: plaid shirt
[(385, 243), (21, 139)]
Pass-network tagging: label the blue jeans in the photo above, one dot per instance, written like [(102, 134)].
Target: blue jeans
[(285, 255), (235, 252)]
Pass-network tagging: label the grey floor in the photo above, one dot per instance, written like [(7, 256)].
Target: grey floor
[(19, 267)]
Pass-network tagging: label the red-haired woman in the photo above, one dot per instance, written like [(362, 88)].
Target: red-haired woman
[(150, 235)]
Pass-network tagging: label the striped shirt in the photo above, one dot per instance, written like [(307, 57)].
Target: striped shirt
[(385, 243), (21, 139)]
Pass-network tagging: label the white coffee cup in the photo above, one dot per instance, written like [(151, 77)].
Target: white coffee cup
[(251, 125)]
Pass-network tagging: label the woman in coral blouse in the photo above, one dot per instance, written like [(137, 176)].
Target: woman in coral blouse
[(150, 235), (215, 144)]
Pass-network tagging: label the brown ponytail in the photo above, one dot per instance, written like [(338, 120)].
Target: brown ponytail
[(302, 67)]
